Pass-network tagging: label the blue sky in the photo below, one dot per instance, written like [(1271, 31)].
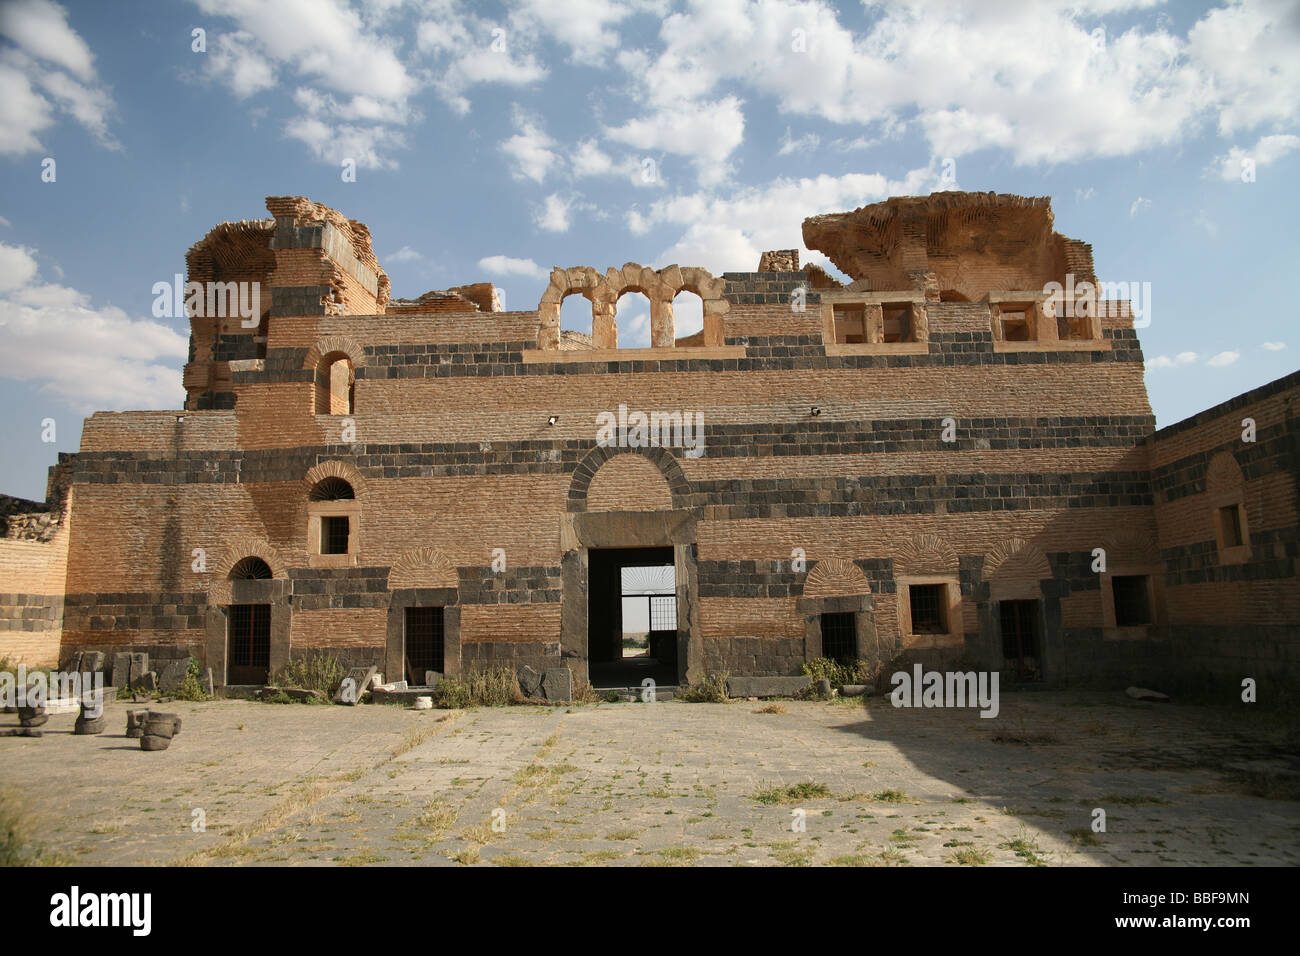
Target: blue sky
[(493, 141)]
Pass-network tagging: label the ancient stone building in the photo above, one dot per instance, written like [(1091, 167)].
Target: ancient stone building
[(930, 461)]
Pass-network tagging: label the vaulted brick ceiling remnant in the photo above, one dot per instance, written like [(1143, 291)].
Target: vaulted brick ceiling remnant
[(968, 243)]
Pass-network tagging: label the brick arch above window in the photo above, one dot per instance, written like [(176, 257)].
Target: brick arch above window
[(925, 554), (678, 485), (335, 345), (1223, 475), (234, 551), (335, 469), (1013, 570), (835, 577), (422, 568)]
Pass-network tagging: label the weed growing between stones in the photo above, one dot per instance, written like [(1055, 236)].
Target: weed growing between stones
[(712, 689), (320, 672), (494, 686), (191, 688)]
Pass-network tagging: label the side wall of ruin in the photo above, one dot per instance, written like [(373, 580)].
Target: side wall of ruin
[(1234, 610)]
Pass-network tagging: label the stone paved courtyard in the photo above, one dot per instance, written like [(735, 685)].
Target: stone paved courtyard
[(671, 783)]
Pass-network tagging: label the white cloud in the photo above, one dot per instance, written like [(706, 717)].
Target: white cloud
[(1267, 149), (404, 254), (554, 214), (48, 61), (584, 26), (804, 144), (234, 60), (468, 50), (968, 75), (1138, 205), (41, 28), (590, 160), (530, 150), (507, 266), (704, 133), (91, 358), (1164, 361), (1223, 358), (1083, 195), (1275, 346), (729, 232), (331, 46)]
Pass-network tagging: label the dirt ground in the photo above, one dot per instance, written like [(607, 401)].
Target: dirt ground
[(669, 783)]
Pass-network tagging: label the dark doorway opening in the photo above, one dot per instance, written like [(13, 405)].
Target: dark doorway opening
[(840, 637), (631, 617), (424, 644), (1020, 639), (249, 660)]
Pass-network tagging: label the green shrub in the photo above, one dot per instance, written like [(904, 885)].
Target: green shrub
[(712, 689), (451, 693), (859, 672), (320, 671), (191, 688), (494, 686)]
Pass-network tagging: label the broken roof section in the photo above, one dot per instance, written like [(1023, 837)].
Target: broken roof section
[(960, 243)]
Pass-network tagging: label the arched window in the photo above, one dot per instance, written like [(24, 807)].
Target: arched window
[(331, 489), (251, 568), (335, 385)]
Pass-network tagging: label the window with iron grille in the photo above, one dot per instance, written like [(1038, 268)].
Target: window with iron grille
[(334, 534), (424, 642), (663, 612), (839, 637), (1132, 600), (927, 609), (250, 635)]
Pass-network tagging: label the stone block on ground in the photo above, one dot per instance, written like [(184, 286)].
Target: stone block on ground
[(423, 703), (530, 681), (766, 686), (89, 725), (1142, 693), (148, 681), (557, 684), (134, 720), (172, 673), (354, 685), (154, 742)]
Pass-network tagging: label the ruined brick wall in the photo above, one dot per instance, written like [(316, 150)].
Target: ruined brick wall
[(34, 540), (1233, 611), (833, 452)]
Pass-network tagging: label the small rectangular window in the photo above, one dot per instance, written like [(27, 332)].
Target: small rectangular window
[(1015, 324), (839, 637), (334, 534), (850, 324), (928, 612), (898, 322), (1230, 526), (1132, 600)]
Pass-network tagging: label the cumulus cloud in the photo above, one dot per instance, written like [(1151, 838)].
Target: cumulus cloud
[(508, 266), (804, 144), (91, 358), (1137, 206), (404, 254), (554, 213), (729, 230), (1164, 361), (1275, 346), (1242, 165), (531, 151), (48, 68), (964, 75), (1223, 358)]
